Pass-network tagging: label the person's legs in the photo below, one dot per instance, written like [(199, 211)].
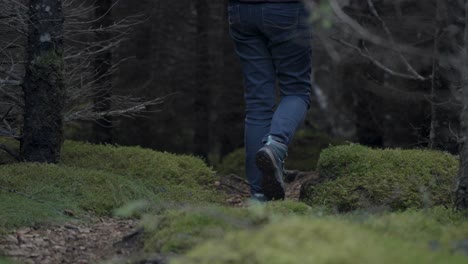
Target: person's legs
[(290, 45), (259, 79)]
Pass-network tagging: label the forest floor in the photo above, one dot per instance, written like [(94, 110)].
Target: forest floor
[(109, 238)]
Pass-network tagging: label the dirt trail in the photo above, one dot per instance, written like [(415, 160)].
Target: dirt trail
[(238, 190), (69, 243)]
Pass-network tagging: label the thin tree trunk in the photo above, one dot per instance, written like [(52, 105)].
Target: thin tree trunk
[(435, 83), (43, 84), (209, 78), (462, 191), (102, 65)]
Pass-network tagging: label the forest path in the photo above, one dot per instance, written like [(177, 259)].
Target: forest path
[(106, 238), (238, 190), (78, 243)]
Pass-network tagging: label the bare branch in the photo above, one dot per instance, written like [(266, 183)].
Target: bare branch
[(390, 36), (88, 113), (364, 33), (376, 62)]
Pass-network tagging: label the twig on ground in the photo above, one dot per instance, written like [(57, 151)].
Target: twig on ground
[(10, 152), (21, 194)]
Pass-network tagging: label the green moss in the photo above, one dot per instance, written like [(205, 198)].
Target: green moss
[(5, 261), (99, 179), (361, 177), (177, 230), (440, 225), (180, 229), (59, 188), (288, 207), (175, 177), (314, 240), (233, 163)]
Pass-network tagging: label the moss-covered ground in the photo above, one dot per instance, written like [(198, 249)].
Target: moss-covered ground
[(5, 261), (97, 179), (182, 215), (292, 232), (329, 239), (358, 177)]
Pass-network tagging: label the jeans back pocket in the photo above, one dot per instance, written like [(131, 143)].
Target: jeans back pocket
[(281, 18)]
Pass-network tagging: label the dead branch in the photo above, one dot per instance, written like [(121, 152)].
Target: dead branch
[(392, 40), (133, 108), (377, 40), (367, 55)]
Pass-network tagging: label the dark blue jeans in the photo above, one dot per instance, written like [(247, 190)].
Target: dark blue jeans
[(273, 42)]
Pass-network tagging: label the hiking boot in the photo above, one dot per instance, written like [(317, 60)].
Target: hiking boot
[(258, 198), (270, 160)]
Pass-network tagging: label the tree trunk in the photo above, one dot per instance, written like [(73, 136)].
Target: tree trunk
[(434, 140), (43, 84), (462, 191), (102, 65), (209, 73)]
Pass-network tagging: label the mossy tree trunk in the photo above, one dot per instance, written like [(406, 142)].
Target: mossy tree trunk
[(462, 191), (43, 85)]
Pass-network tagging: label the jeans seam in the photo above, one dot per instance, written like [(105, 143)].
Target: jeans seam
[(234, 9)]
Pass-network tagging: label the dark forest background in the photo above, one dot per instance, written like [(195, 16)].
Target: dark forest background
[(182, 52)]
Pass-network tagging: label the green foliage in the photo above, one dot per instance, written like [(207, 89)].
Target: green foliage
[(322, 15), (314, 240), (361, 177), (50, 59), (99, 179), (173, 177)]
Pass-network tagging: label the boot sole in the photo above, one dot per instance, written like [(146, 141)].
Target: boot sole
[(272, 188)]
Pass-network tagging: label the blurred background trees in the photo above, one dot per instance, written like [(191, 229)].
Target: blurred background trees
[(387, 73), (396, 89)]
